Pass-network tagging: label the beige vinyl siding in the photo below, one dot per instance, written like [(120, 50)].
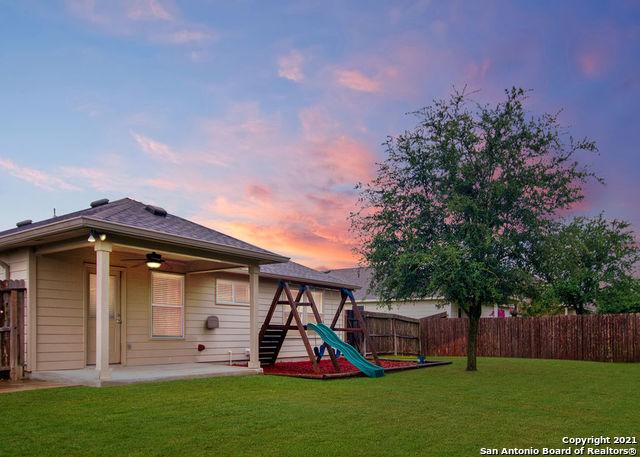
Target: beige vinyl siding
[(233, 335), (415, 309), (61, 317), (60, 312), (18, 262)]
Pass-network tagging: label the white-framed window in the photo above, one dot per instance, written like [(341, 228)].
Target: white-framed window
[(167, 305), (306, 314), (230, 292)]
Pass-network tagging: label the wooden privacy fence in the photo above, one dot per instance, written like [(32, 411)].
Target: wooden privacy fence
[(393, 334), (11, 328), (603, 338)]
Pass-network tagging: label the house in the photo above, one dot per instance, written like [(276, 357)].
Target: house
[(423, 307), (125, 284)]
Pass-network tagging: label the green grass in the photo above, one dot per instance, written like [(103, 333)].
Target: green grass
[(436, 411)]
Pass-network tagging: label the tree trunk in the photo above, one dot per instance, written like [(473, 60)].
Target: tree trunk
[(475, 311)]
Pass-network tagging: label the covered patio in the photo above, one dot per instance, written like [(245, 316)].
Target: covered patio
[(124, 292)]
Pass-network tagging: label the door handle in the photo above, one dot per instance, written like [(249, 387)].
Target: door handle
[(118, 319)]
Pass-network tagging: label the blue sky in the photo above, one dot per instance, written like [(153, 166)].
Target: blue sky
[(257, 118)]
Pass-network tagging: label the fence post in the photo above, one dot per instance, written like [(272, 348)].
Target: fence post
[(395, 336), (14, 341)]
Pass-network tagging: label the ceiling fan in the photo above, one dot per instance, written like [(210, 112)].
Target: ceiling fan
[(153, 260)]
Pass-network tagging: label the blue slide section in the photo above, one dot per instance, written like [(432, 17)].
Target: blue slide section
[(350, 353)]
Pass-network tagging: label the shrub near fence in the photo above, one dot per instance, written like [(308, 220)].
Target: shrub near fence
[(603, 338)]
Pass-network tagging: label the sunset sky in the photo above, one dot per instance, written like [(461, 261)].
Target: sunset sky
[(258, 118)]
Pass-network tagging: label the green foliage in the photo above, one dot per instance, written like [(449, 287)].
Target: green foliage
[(276, 416), (589, 262), (622, 297), (462, 200)]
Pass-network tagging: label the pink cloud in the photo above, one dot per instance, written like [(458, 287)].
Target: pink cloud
[(36, 177), (290, 66), (343, 160), (355, 80), (162, 183), (151, 20), (251, 176), (144, 10), (155, 149), (259, 192)]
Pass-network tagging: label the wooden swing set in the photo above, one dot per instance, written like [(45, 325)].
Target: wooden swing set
[(272, 335)]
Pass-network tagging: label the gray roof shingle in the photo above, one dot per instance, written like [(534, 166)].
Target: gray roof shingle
[(295, 271), (132, 213), (358, 276)]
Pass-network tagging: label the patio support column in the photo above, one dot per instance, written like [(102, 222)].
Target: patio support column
[(254, 325), (103, 250)]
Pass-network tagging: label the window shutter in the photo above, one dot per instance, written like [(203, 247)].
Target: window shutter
[(167, 321), (167, 290), (167, 305), (224, 292), (232, 292), (241, 292)]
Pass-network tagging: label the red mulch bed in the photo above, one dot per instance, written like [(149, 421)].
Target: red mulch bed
[(304, 368)]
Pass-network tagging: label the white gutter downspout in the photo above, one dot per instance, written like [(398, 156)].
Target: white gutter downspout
[(6, 268)]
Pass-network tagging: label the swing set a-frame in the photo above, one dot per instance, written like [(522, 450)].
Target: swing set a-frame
[(272, 335)]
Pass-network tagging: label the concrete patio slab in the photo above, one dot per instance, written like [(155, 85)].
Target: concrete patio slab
[(27, 384), (128, 375)]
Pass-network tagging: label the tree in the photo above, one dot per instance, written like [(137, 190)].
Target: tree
[(589, 262), (624, 297), (461, 201)]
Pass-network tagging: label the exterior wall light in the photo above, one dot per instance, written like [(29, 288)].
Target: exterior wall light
[(93, 236)]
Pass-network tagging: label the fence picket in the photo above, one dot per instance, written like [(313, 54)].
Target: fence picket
[(604, 338)]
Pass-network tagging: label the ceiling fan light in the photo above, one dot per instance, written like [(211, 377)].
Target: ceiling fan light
[(154, 261), (153, 264)]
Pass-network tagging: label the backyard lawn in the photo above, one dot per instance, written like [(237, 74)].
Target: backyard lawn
[(437, 411)]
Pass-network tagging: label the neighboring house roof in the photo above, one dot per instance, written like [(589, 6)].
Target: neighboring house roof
[(359, 276), (296, 272), (127, 215), (362, 277)]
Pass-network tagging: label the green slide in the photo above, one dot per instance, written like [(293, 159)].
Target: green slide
[(351, 354)]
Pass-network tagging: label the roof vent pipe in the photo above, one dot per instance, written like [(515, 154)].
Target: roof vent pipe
[(101, 202), (156, 210), (23, 223)]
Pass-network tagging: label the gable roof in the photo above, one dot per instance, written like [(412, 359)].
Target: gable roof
[(297, 272), (358, 276), (120, 215)]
